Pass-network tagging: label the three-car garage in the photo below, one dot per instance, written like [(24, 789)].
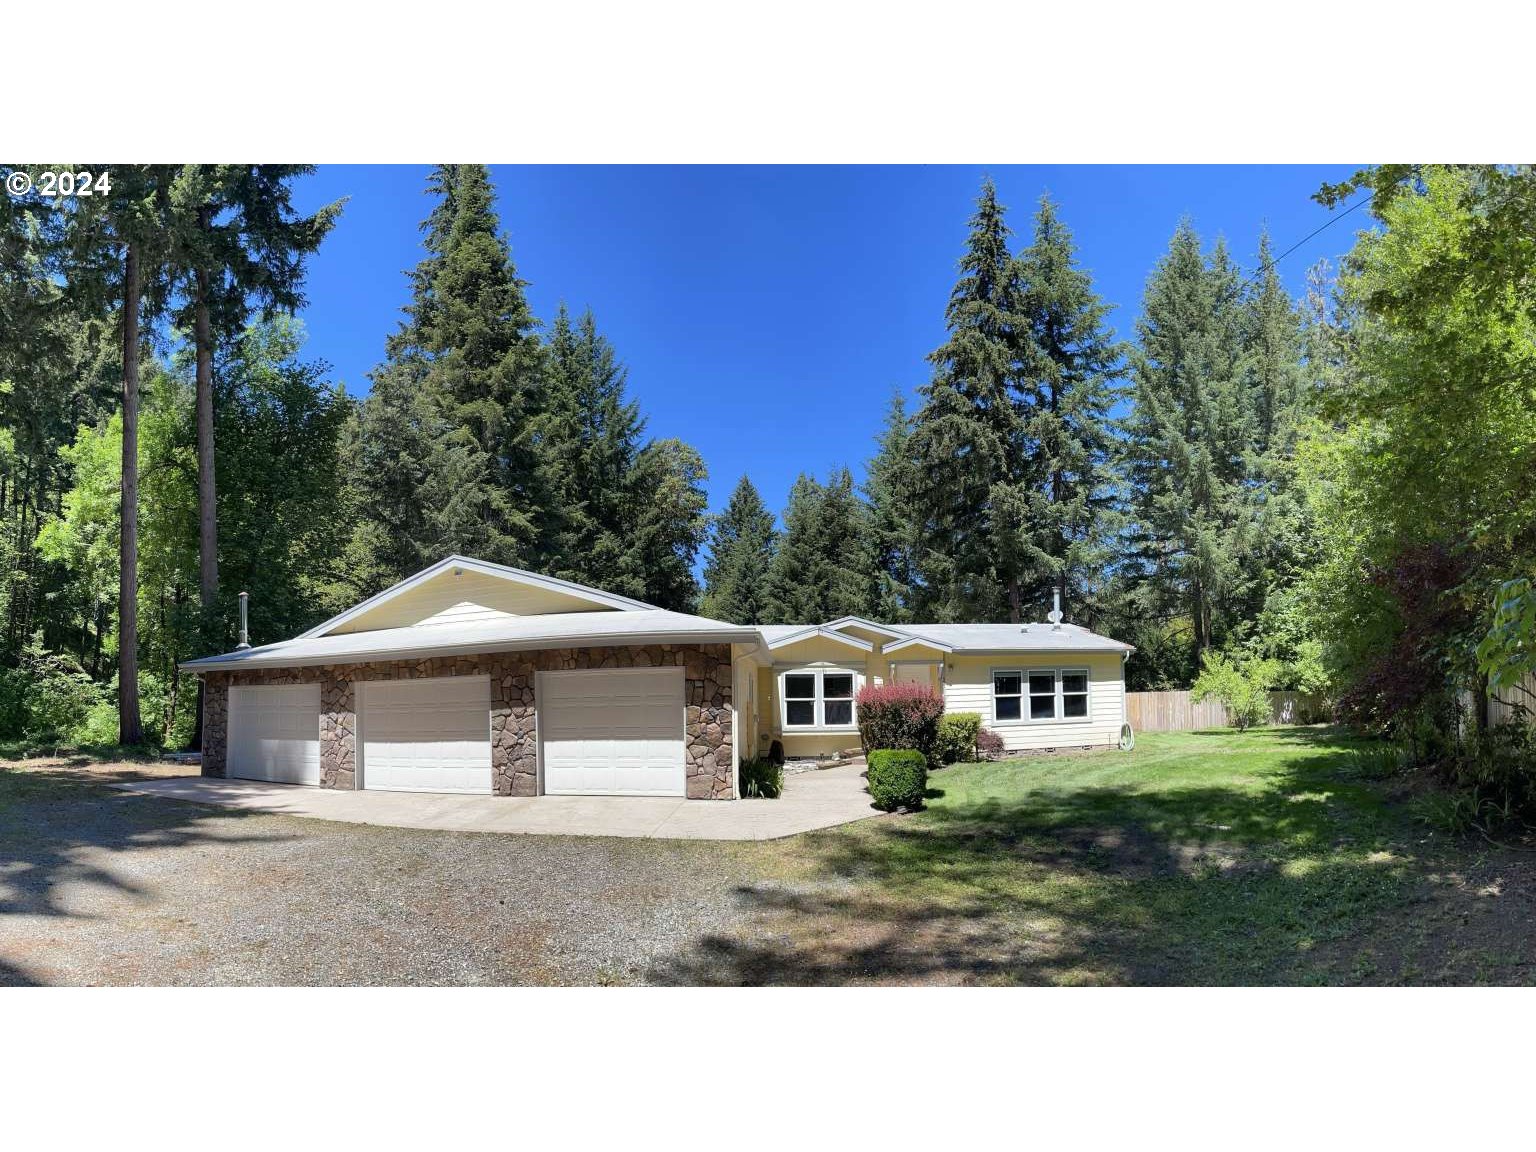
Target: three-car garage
[(607, 732)]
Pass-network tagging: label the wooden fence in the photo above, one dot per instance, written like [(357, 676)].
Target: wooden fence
[(1178, 712)]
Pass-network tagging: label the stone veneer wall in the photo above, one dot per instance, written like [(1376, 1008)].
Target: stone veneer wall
[(514, 748)]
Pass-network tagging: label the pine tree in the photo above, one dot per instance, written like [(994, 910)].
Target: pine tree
[(591, 435), (821, 570), (459, 398), (741, 551), (666, 513), (1190, 438), (967, 441), (889, 485), (1065, 393)]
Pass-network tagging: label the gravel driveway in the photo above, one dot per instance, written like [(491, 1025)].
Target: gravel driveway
[(101, 887)]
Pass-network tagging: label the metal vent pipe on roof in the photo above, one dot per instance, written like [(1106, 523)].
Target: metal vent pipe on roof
[(245, 636)]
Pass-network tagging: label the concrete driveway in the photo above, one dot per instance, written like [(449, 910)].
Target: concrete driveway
[(811, 800)]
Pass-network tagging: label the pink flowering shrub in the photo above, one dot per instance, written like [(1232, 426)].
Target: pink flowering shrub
[(900, 715)]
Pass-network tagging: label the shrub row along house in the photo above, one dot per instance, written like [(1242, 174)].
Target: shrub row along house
[(473, 677)]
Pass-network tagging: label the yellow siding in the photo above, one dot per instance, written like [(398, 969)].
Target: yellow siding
[(465, 598), (968, 688)]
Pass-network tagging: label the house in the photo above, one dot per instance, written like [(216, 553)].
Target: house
[(474, 677)]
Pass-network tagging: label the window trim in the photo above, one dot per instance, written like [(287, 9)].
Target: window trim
[(1058, 673), (819, 673)]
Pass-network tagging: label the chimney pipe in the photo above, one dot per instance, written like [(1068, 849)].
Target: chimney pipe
[(1056, 610), (245, 637)]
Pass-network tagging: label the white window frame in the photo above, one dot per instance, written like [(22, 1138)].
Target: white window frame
[(1058, 676), (820, 700)]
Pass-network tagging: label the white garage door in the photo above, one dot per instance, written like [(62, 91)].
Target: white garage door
[(617, 732), (274, 733), (426, 735)]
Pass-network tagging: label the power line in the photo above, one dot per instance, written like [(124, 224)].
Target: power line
[(1360, 203)]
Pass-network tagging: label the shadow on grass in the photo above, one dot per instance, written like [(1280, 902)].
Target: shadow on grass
[(1249, 882), (62, 837)]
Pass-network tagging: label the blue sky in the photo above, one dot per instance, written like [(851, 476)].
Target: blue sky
[(766, 314)]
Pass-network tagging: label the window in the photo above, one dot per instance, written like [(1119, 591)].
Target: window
[(1074, 695), (1050, 693), (818, 699), (1006, 695), (1042, 695), (837, 698), (800, 700)]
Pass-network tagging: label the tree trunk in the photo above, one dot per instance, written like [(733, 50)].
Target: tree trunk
[(207, 520), (1015, 603), (130, 729), (207, 504)]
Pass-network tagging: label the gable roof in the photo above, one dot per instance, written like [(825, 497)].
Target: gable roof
[(782, 635), (598, 598)]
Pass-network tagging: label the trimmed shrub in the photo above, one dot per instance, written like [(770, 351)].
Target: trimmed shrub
[(989, 744), (900, 715), (762, 779), (898, 778), (957, 736)]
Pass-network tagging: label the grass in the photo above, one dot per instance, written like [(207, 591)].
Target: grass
[(1275, 856)]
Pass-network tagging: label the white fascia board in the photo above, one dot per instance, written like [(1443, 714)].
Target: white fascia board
[(824, 633), (867, 625), (916, 642), (550, 583)]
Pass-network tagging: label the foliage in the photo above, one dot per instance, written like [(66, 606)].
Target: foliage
[(46, 697), (957, 737), (822, 568), (900, 715), (741, 549), (1191, 437), (457, 397), (1242, 686), (1425, 487), (898, 778), (989, 745), (967, 435), (1507, 654), (762, 779), (890, 481), (1055, 518)]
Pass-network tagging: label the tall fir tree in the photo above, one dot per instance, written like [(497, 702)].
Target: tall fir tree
[(668, 520), (741, 550), (591, 434), (1057, 523), (821, 569), (460, 394), (967, 441), (889, 484), (1190, 438)]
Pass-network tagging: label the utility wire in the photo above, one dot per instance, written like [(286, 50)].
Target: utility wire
[(1263, 267)]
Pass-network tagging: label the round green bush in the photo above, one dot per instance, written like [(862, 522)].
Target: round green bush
[(898, 778), (957, 736)]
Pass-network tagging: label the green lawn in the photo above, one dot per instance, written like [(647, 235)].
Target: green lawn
[(1267, 857)]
